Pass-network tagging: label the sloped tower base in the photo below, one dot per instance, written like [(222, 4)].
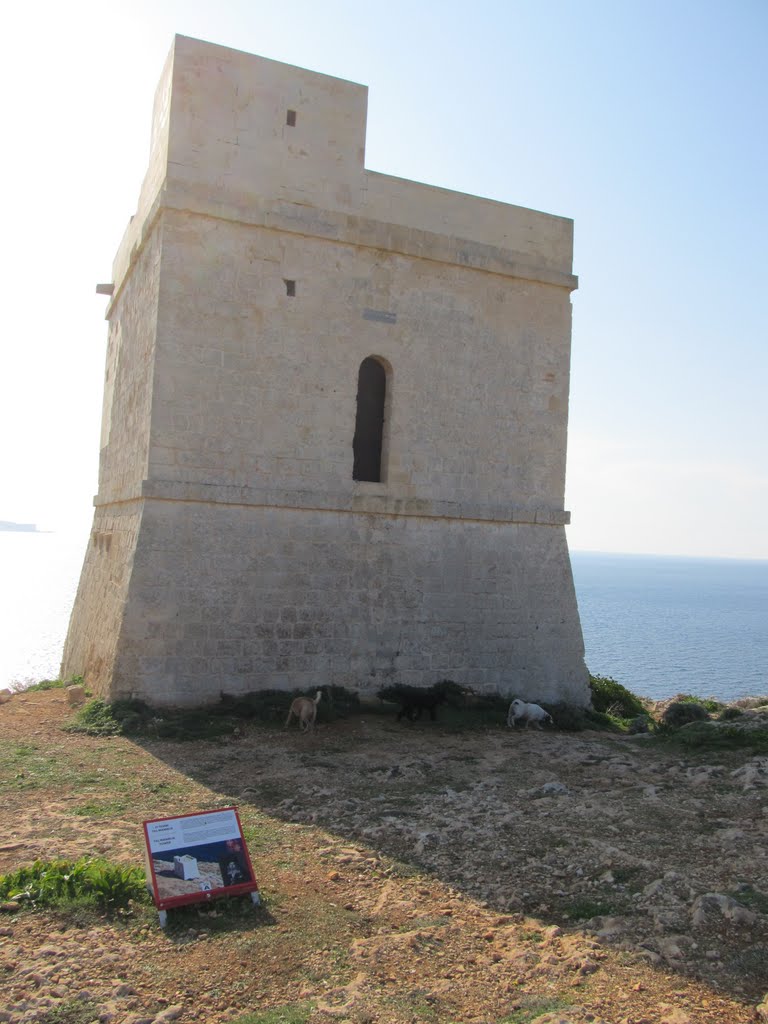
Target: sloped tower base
[(218, 598)]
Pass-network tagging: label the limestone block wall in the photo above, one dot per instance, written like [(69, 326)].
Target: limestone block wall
[(256, 388), (96, 627), (287, 598), (128, 378), (536, 237), (230, 132)]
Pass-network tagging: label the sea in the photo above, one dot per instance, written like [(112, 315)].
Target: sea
[(658, 625)]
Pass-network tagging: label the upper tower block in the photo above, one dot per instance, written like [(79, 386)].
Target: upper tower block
[(247, 127), (238, 135)]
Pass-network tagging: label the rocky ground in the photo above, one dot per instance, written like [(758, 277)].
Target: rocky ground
[(410, 874)]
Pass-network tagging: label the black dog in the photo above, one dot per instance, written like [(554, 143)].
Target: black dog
[(413, 700)]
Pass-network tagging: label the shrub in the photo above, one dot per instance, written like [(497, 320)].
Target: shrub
[(729, 714), (714, 736), (132, 717), (708, 703), (96, 719), (570, 718), (336, 702), (752, 702), (46, 684), (639, 725), (681, 713), (612, 698)]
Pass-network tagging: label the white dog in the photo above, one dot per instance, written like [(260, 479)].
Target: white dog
[(305, 709), (520, 711)]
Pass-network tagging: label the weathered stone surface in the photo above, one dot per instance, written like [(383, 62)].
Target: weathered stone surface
[(231, 549)]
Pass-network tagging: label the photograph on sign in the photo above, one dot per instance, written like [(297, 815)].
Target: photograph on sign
[(197, 856)]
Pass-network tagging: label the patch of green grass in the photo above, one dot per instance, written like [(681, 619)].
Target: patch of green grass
[(25, 766), (533, 1006), (584, 908), (751, 898), (263, 835), (401, 869), (433, 921), (62, 884), (45, 684), (101, 809), (96, 719), (73, 1011), (294, 1013), (52, 684), (164, 788), (414, 1006), (621, 875)]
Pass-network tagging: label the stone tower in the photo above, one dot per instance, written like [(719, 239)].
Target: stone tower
[(335, 414)]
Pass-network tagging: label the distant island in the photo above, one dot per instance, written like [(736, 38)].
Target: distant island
[(18, 527)]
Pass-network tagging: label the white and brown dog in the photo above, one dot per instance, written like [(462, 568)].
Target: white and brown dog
[(305, 710), (520, 711)]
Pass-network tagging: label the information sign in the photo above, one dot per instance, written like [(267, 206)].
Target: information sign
[(192, 858)]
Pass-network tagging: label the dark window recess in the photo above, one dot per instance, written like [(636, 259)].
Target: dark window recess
[(369, 421), (290, 118), (290, 288)]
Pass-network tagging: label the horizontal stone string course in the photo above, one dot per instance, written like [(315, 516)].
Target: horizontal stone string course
[(370, 504)]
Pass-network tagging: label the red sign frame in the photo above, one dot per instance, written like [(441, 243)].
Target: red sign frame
[(173, 828)]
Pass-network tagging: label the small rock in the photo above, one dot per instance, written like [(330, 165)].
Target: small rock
[(676, 1016), (728, 907), (169, 1013), (670, 948), (554, 789), (122, 989), (75, 695), (5, 695), (9, 906)]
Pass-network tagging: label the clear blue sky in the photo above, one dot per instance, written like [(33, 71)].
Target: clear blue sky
[(644, 122)]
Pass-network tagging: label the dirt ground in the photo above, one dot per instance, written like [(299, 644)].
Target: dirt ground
[(409, 874)]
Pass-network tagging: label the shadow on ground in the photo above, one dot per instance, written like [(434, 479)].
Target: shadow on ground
[(658, 855)]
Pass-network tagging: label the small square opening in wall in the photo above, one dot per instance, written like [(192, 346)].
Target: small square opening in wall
[(290, 118), (290, 288)]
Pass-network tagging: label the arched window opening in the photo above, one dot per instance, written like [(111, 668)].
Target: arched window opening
[(369, 421)]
